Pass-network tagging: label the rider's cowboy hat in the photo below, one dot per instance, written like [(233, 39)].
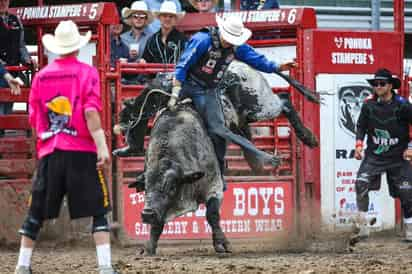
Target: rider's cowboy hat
[(385, 74), (66, 38), (232, 30), (169, 7), (137, 6)]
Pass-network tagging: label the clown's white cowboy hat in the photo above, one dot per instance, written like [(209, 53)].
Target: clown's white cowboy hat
[(169, 7), (232, 30), (66, 38), (137, 6)]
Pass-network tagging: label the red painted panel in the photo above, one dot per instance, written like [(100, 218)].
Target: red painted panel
[(255, 209), (89, 13), (268, 19), (351, 52)]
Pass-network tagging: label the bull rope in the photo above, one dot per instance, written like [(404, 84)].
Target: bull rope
[(134, 123)]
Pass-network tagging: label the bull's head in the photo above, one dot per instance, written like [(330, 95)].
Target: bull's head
[(163, 185)]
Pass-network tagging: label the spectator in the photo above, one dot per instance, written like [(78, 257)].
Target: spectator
[(118, 49), (137, 17), (166, 45), (154, 5), (187, 6), (259, 4), (204, 5), (13, 50), (64, 109)]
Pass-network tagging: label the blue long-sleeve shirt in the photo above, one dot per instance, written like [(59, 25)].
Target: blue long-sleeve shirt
[(200, 43)]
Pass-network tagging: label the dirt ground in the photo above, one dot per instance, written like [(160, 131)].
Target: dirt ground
[(380, 254)]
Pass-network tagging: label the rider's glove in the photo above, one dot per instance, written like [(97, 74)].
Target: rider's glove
[(173, 98)]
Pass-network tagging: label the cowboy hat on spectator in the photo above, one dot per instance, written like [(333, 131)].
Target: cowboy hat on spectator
[(232, 30), (137, 6), (169, 7), (66, 38)]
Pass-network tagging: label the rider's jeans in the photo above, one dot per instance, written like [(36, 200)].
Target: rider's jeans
[(208, 104)]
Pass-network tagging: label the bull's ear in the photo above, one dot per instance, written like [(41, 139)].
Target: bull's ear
[(191, 177), (139, 184)]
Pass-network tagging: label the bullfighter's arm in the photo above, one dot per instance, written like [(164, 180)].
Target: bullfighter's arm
[(362, 124), (406, 111)]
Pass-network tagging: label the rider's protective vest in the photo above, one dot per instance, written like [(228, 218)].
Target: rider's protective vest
[(10, 32), (210, 68)]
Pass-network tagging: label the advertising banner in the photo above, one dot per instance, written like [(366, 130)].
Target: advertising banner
[(248, 210)]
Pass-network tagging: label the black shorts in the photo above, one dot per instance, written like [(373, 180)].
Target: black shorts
[(369, 176), (73, 174)]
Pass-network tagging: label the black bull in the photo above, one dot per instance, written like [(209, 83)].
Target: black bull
[(247, 98), (181, 171)]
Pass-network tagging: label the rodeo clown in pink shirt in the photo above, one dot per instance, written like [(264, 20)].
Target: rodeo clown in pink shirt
[(64, 108)]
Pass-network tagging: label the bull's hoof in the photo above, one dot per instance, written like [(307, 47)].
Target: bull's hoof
[(220, 243), (149, 249)]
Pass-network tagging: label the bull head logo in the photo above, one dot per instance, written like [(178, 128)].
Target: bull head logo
[(351, 98), (338, 42)]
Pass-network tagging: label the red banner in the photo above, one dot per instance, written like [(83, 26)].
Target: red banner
[(86, 12), (248, 210), (330, 51)]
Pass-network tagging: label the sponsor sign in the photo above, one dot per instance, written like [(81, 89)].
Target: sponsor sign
[(354, 52), (248, 210)]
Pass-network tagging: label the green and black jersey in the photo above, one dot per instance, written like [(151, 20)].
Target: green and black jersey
[(386, 125)]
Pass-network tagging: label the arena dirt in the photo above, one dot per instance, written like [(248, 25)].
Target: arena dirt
[(326, 254)]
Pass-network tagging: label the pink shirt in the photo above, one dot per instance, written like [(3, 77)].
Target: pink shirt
[(60, 94)]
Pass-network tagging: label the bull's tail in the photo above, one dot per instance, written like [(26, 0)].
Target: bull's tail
[(309, 94)]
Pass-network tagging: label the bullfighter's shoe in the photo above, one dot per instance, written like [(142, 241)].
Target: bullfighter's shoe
[(362, 231), (408, 233), (22, 270), (107, 270)]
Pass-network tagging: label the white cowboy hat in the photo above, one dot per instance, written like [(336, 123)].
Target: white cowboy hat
[(232, 30), (66, 38), (169, 7), (137, 6)]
